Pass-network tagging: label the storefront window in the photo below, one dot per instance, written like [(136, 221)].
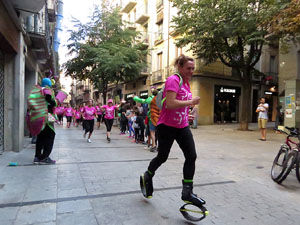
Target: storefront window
[(226, 104)]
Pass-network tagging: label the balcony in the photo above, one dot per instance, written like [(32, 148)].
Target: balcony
[(271, 78), (142, 15), (128, 6), (157, 76), (160, 17), (144, 40), (145, 71), (28, 5), (159, 5), (130, 25), (158, 38), (38, 30), (51, 11)]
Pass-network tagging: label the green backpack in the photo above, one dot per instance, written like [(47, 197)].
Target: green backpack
[(159, 97)]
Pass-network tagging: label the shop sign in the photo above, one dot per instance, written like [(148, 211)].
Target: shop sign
[(268, 93), (130, 95), (227, 90), (144, 93)]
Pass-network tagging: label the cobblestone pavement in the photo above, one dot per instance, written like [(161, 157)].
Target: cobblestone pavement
[(98, 182)]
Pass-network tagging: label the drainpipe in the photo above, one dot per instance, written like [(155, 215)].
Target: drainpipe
[(58, 27)]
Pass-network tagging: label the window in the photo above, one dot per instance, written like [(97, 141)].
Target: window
[(178, 51), (273, 65), (159, 61)]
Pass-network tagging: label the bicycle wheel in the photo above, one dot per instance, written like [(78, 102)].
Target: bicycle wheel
[(278, 163), (298, 167), (289, 164)]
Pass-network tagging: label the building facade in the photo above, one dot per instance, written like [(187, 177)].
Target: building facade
[(217, 85), (26, 55)]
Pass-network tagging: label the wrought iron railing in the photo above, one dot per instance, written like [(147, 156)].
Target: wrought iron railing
[(157, 76)]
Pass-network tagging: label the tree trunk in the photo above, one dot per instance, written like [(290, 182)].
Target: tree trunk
[(104, 92), (246, 102)]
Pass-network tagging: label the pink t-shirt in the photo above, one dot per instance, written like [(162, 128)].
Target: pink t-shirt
[(82, 109), (176, 117), (99, 110), (89, 113), (109, 111), (60, 110), (77, 115), (69, 111)]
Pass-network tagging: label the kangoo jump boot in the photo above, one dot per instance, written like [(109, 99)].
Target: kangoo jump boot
[(146, 184), (188, 196)]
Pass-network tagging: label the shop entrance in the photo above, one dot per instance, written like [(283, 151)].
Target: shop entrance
[(226, 104)]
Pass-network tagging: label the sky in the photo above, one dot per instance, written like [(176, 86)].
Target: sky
[(81, 10)]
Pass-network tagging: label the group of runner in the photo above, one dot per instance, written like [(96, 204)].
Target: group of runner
[(86, 114)]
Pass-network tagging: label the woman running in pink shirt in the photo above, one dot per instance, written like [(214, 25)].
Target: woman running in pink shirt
[(109, 116), (89, 114), (99, 114), (77, 116), (69, 115), (173, 126)]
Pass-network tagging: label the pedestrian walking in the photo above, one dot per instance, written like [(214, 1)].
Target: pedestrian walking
[(262, 111), (173, 125)]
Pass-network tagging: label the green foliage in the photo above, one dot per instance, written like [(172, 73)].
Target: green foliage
[(104, 50), (233, 31)]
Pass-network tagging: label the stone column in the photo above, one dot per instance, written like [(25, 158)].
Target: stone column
[(291, 103), (18, 97)]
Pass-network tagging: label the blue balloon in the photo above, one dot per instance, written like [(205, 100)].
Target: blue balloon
[(46, 82)]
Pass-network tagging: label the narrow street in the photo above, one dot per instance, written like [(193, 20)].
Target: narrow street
[(98, 182)]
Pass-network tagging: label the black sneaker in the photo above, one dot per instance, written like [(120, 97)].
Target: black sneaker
[(153, 149), (36, 161), (47, 160)]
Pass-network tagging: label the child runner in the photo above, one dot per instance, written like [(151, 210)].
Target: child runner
[(173, 125), (109, 116), (99, 114), (69, 115)]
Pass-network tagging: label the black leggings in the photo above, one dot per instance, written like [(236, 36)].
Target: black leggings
[(123, 125), (44, 142), (89, 126), (108, 124), (185, 140)]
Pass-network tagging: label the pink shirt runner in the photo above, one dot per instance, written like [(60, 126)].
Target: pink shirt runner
[(176, 117), (109, 111), (60, 110), (69, 111), (77, 115), (89, 113), (99, 110)]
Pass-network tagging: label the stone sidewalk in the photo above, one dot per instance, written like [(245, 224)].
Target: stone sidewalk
[(98, 182)]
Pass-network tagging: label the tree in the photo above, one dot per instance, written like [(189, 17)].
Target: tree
[(233, 31), (105, 51), (286, 23)]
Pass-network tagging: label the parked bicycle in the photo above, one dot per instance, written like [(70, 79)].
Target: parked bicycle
[(288, 157)]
